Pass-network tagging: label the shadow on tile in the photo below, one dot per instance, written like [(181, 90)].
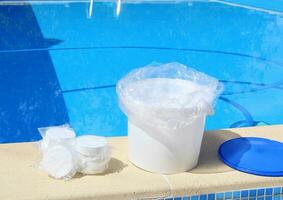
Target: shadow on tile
[(209, 161), (115, 166)]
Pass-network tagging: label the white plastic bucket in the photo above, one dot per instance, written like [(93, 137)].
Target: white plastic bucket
[(165, 151), (166, 107), (166, 136)]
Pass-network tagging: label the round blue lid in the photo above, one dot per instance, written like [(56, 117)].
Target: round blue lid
[(253, 155)]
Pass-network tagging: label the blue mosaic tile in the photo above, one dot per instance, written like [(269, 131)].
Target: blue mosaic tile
[(244, 194), (252, 193), (277, 191), (268, 191), (268, 197), (228, 195), (260, 192), (203, 197), (276, 197), (236, 194), (195, 197), (211, 196), (219, 196)]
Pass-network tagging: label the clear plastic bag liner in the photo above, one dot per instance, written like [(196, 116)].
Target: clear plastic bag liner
[(168, 95)]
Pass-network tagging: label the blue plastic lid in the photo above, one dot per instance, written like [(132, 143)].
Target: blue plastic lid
[(253, 155)]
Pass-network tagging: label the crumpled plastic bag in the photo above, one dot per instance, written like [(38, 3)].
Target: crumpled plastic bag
[(55, 135), (167, 95)]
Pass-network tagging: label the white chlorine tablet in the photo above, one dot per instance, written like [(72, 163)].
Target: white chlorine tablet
[(58, 162), (93, 154), (90, 166), (90, 145)]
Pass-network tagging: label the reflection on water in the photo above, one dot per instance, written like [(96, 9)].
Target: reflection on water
[(82, 58), (30, 95)]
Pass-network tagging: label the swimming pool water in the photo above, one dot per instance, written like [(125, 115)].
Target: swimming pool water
[(60, 66)]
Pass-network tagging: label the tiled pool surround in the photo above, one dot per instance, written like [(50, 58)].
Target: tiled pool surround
[(210, 180), (271, 193)]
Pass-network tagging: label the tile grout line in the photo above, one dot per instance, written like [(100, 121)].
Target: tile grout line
[(162, 197), (169, 184)]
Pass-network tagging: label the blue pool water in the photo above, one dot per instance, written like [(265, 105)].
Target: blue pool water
[(59, 66)]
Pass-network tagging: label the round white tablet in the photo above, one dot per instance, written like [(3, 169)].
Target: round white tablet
[(58, 162), (90, 145)]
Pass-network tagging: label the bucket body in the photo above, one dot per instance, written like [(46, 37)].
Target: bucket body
[(166, 106), (165, 151)]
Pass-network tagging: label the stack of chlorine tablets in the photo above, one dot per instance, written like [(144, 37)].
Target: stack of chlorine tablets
[(64, 154)]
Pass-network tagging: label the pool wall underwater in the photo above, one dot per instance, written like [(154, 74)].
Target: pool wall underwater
[(60, 66)]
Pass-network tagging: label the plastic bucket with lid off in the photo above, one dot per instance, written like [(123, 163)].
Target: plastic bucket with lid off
[(166, 106)]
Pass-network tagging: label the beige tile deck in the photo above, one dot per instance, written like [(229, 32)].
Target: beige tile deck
[(20, 178), (212, 175)]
